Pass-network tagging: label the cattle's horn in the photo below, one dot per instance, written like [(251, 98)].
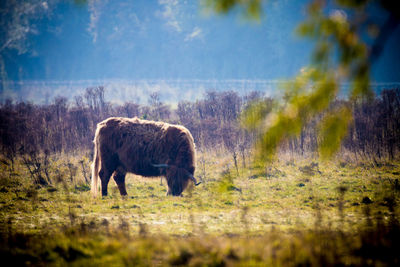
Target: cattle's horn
[(194, 180), (160, 165)]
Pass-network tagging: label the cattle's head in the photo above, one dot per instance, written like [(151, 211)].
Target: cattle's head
[(178, 178)]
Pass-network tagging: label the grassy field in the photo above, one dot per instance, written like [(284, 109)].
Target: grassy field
[(301, 212)]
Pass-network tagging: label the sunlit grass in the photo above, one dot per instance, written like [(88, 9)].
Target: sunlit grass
[(284, 204)]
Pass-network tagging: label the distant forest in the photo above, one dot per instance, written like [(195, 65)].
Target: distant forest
[(28, 129)]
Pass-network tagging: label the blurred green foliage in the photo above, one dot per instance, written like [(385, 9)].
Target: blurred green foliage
[(340, 55), (251, 8), (333, 130)]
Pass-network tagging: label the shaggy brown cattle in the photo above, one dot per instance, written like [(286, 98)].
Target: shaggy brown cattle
[(142, 147)]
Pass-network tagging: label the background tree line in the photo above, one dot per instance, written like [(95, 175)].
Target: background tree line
[(67, 126)]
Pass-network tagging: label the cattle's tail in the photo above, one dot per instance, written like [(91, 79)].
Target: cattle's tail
[(95, 167)]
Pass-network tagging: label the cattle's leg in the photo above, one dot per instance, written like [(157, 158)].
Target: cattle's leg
[(105, 175), (108, 165), (119, 177)]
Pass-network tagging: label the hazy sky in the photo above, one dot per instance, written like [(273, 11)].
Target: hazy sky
[(167, 39)]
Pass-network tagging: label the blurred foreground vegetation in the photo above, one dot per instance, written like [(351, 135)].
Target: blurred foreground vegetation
[(349, 39)]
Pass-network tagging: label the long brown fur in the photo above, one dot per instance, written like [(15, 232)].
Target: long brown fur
[(124, 145)]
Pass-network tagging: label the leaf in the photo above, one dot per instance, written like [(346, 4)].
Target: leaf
[(332, 130), (253, 116)]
